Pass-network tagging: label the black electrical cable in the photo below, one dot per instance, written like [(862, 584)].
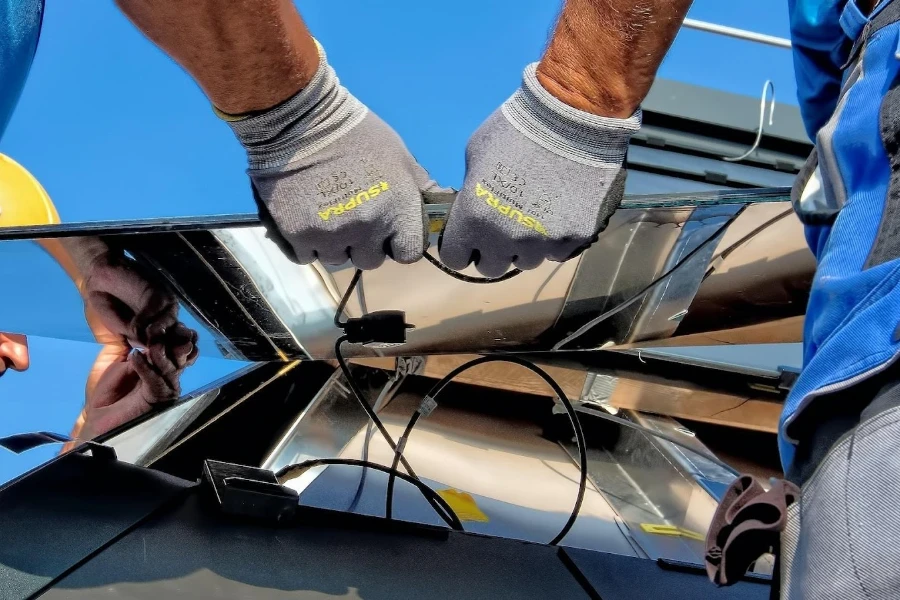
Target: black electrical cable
[(398, 453), (343, 303), (467, 278), (573, 417), (433, 497), (360, 397), (357, 496)]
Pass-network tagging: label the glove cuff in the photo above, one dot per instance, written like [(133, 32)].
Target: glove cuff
[(564, 130), (302, 125)]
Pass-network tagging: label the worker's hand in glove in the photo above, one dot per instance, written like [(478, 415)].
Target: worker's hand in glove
[(542, 180), (126, 384), (333, 179)]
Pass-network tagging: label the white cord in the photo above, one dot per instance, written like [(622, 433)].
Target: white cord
[(762, 118)]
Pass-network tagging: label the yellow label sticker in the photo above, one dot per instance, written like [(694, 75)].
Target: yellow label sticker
[(463, 505), (671, 530), (660, 529)]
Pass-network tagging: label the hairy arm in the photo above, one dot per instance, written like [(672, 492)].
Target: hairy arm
[(604, 54), (246, 55)]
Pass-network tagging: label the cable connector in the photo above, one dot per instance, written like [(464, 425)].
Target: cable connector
[(427, 407), (244, 491), (383, 327)]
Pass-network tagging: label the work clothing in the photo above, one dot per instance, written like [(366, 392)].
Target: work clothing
[(20, 28), (840, 428), (840, 539), (820, 48), (849, 198), (542, 180), (337, 182), (23, 200)]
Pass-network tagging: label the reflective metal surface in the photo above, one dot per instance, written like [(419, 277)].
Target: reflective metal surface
[(499, 449), (694, 269), (678, 269), (509, 480)]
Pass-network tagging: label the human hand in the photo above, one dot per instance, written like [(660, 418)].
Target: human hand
[(332, 181), (123, 303), (542, 180), (127, 384)]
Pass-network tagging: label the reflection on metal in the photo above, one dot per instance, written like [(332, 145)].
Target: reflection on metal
[(146, 439), (327, 425), (521, 484), (746, 390), (501, 458), (142, 443), (667, 267), (654, 482)]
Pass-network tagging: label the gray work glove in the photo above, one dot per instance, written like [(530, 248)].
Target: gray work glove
[(542, 180), (333, 179)]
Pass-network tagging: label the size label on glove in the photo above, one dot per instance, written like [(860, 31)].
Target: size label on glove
[(509, 211)]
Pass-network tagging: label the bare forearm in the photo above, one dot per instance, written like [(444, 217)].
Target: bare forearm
[(604, 54), (247, 55), (74, 254)]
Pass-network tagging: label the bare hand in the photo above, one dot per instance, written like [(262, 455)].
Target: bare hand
[(132, 384), (126, 301)]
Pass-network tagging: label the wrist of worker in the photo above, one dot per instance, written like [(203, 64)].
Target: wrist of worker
[(300, 126), (83, 253), (566, 130), (578, 83)]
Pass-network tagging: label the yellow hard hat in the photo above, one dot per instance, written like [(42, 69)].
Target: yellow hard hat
[(23, 201)]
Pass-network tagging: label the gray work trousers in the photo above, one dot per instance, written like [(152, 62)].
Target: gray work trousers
[(842, 539)]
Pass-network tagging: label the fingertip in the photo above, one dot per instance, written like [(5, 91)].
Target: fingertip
[(366, 259), (160, 324), (492, 265), (528, 262), (192, 357), (333, 257), (299, 254), (183, 334), (456, 256), (405, 249), (568, 250)]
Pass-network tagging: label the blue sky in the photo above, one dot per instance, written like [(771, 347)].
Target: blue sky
[(114, 129)]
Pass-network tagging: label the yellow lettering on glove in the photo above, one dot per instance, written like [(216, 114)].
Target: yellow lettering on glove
[(355, 201), (509, 211)]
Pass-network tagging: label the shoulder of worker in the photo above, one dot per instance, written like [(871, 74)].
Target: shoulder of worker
[(23, 200)]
